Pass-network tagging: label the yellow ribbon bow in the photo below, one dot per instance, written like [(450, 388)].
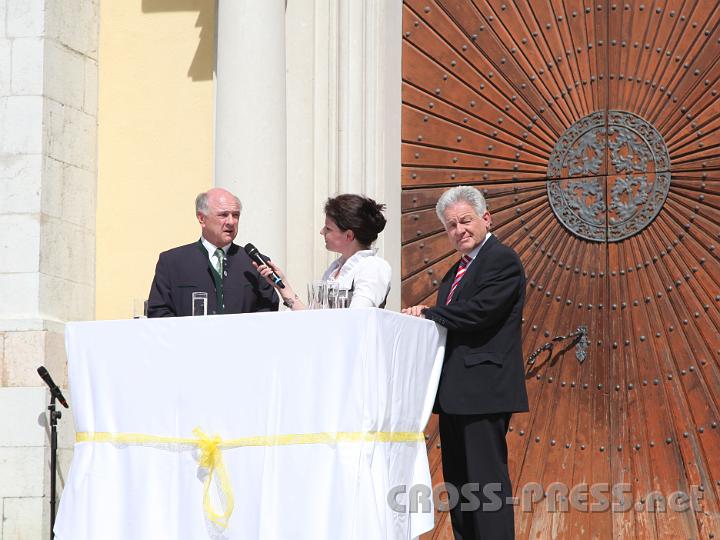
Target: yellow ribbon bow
[(211, 452), (211, 459)]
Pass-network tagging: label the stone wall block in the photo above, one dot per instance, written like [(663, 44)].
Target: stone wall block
[(27, 67), (24, 352), (20, 295), (5, 61), (19, 246), (21, 120), (66, 300), (26, 425), (67, 251), (20, 183), (3, 11), (70, 135), (25, 18), (74, 23), (52, 187), (22, 470), (56, 249), (64, 74), (78, 203), (56, 361), (24, 518), (90, 103)]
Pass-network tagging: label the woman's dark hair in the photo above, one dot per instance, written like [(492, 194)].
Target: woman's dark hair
[(361, 215)]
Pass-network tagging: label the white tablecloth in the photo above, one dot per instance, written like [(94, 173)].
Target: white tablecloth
[(264, 374)]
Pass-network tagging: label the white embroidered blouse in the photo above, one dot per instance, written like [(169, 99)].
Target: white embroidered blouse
[(367, 274)]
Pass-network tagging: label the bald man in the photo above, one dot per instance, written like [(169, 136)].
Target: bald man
[(213, 264)]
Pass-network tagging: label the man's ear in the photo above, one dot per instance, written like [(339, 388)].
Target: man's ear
[(201, 218), (350, 235)]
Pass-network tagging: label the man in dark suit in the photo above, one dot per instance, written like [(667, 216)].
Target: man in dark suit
[(213, 264), (480, 302)]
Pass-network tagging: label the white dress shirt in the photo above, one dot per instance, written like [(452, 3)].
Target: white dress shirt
[(366, 273), (211, 252)]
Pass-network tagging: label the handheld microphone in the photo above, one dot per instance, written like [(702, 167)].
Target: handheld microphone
[(54, 389), (261, 259)]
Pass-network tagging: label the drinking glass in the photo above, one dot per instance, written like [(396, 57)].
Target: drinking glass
[(140, 308), (331, 294), (316, 294), (343, 298), (199, 303)]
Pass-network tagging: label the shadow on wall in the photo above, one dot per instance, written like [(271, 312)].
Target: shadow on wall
[(203, 63)]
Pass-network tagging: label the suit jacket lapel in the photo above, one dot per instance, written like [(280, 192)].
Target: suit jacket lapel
[(233, 262), (203, 254)]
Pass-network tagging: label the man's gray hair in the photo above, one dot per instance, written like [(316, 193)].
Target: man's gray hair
[(202, 206), (467, 194)]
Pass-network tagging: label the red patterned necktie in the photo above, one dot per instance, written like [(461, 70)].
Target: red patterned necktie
[(458, 276)]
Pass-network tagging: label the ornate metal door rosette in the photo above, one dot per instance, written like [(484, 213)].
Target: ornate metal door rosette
[(638, 177)]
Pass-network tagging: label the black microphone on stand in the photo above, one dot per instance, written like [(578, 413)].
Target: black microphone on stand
[(261, 259), (55, 415), (54, 389)]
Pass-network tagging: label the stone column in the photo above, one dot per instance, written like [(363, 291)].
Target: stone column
[(48, 119), (250, 133), (344, 103), (369, 81)]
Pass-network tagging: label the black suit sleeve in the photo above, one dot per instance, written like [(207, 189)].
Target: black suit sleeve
[(160, 301), (267, 300), (492, 297)]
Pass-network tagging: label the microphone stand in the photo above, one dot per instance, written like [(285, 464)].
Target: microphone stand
[(55, 393), (54, 416)]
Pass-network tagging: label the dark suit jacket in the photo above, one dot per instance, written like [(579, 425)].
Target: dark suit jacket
[(186, 269), (483, 371)]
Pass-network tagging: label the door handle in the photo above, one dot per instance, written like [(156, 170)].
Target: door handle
[(579, 337)]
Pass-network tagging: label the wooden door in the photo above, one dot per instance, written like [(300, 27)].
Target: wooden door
[(592, 129)]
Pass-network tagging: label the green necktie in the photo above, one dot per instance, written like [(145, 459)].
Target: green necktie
[(220, 255)]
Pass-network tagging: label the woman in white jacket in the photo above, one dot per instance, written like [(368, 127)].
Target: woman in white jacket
[(352, 224)]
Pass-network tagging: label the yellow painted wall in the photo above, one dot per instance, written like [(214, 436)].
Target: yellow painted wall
[(155, 152)]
